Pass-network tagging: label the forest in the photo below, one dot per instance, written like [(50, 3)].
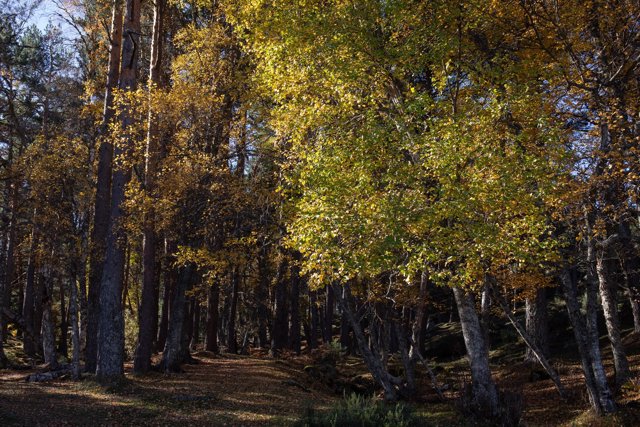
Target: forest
[(320, 212)]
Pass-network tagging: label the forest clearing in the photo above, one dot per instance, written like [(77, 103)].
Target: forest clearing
[(319, 212)]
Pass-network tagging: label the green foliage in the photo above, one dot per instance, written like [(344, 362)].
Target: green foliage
[(407, 148), (358, 411)]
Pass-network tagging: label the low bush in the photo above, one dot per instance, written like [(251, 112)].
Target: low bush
[(358, 411)]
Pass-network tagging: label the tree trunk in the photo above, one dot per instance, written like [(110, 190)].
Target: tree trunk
[(213, 301), (369, 354), (418, 323), (232, 341), (532, 345), (173, 352), (314, 321), (195, 328), (609, 307), (111, 320), (294, 335), (147, 317), (484, 392), (48, 332), (536, 325), (280, 331), (63, 348), (75, 335), (598, 390), (328, 315), (170, 279), (3, 356), (103, 194), (262, 290), (28, 303)]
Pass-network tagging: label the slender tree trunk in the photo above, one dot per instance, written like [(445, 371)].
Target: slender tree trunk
[(41, 294), (280, 324), (170, 279), (10, 266), (328, 315), (418, 323), (609, 307), (173, 352), (532, 345), (75, 336), (48, 332), (63, 348), (103, 194), (261, 298), (111, 320), (597, 388), (3, 356), (345, 329), (369, 354), (536, 325), (213, 301), (485, 394), (28, 305), (81, 268), (314, 321), (232, 341), (294, 335), (146, 314), (195, 329)]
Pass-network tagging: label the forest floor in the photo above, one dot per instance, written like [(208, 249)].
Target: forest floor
[(258, 390)]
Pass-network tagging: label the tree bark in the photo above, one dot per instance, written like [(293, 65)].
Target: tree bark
[(371, 358), (536, 325), (172, 356), (195, 328), (609, 307), (294, 335), (598, 390), (213, 301), (28, 303), (484, 392), (75, 335), (280, 324), (327, 333), (48, 332), (111, 321), (170, 280), (533, 346), (232, 340), (262, 311), (418, 323), (147, 317), (103, 193), (63, 348), (314, 321)]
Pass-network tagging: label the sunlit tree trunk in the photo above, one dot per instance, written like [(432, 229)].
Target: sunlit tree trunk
[(610, 310), (598, 390), (484, 392)]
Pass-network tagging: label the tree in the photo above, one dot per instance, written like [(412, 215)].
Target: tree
[(110, 366)]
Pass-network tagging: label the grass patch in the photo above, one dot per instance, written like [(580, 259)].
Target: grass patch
[(358, 411)]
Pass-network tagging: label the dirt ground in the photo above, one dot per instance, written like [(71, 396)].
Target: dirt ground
[(230, 390), (257, 390)]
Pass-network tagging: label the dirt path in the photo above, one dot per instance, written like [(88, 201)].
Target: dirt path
[(234, 391)]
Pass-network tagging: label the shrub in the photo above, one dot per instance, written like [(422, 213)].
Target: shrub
[(358, 411)]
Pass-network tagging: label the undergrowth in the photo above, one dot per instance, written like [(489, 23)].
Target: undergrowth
[(358, 411)]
